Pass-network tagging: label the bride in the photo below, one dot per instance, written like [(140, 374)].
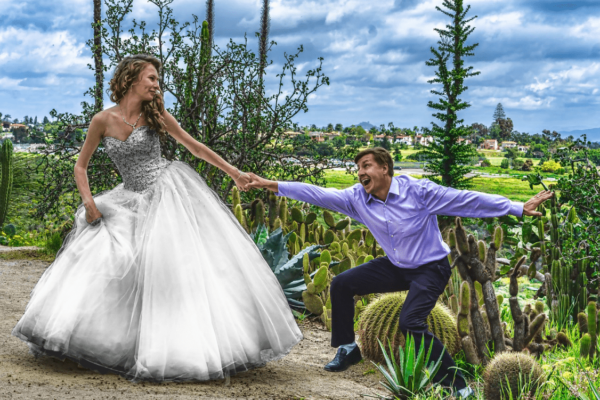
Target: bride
[(157, 280)]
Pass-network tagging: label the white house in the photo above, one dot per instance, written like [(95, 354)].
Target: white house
[(404, 139), (489, 144), (423, 140), (508, 145)]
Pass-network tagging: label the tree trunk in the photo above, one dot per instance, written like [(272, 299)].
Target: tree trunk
[(98, 93)]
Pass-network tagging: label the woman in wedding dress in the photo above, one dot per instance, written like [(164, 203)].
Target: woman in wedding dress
[(157, 280)]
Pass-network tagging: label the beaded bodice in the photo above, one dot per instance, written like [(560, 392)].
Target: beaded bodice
[(137, 158)]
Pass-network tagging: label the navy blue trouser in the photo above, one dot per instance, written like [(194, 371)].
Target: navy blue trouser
[(424, 284)]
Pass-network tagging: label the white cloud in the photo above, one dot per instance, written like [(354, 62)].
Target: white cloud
[(10, 84), (57, 52)]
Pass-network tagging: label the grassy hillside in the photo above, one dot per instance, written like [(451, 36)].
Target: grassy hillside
[(512, 188)]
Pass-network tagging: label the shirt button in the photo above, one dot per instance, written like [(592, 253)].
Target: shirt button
[(392, 235)]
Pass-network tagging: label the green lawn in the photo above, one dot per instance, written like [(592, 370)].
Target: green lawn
[(497, 160), (498, 170), (512, 188)]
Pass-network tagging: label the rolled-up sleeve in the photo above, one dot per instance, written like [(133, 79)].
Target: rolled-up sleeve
[(442, 200), (333, 199)]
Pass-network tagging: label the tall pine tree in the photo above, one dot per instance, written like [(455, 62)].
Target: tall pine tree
[(499, 113), (449, 159)]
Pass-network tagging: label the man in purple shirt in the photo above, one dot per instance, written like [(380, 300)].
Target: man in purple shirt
[(401, 214)]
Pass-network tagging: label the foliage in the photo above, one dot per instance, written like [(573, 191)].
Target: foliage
[(594, 390), (412, 374), (449, 159), (550, 166), (499, 112), (504, 164), (223, 103)]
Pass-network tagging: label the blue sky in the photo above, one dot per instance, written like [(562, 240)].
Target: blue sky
[(539, 58)]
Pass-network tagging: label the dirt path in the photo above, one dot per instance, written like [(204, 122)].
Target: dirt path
[(298, 375)]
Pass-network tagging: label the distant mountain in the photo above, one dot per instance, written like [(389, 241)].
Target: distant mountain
[(366, 125), (593, 135)]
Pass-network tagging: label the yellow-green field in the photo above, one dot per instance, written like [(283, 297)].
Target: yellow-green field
[(512, 188)]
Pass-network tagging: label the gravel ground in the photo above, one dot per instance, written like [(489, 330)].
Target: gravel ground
[(299, 375)]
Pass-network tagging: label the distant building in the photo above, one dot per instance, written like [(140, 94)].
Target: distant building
[(14, 127), (508, 145), (423, 140), (523, 148), (404, 139), (332, 135), (317, 136), (489, 144), (538, 154), (466, 141), (5, 126)]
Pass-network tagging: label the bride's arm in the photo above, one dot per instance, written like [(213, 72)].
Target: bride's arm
[(92, 139), (202, 151)]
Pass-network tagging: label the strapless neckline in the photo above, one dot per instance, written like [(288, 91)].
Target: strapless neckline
[(130, 135)]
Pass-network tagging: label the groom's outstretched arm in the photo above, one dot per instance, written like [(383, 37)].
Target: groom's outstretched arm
[(333, 199)]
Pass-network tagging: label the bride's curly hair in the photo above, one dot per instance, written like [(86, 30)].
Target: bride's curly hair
[(127, 72)]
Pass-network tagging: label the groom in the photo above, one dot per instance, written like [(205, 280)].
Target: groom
[(401, 214)]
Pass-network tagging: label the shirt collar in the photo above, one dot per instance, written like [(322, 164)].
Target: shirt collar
[(394, 189)]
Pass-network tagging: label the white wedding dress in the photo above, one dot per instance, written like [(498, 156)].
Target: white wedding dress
[(167, 287)]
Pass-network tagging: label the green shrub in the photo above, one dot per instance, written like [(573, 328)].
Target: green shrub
[(518, 164), (53, 243), (504, 164), (528, 165), (551, 166)]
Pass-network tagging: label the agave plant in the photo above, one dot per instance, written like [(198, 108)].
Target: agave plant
[(413, 373), (289, 272)]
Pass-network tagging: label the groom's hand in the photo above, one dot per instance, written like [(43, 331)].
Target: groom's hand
[(530, 207), (262, 183)]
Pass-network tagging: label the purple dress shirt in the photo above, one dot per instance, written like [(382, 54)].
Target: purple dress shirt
[(405, 224)]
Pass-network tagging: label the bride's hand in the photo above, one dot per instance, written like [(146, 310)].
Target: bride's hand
[(92, 214), (243, 181)]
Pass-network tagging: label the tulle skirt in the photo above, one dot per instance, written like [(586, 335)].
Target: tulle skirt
[(168, 287)]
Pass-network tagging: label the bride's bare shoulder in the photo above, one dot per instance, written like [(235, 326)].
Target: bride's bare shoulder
[(103, 120)]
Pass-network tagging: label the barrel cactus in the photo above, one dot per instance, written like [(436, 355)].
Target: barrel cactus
[(379, 320), (511, 373)]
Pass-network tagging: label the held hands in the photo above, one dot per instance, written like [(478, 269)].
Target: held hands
[(530, 207), (242, 181), (249, 181)]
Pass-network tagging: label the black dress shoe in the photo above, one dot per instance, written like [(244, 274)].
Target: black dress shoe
[(343, 360)]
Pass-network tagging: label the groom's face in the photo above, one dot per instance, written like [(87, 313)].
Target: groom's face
[(371, 175)]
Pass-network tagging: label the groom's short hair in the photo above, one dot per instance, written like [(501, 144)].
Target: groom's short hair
[(381, 157)]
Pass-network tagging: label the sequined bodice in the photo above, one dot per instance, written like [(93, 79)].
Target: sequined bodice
[(137, 158)]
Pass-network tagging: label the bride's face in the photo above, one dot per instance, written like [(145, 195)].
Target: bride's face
[(147, 85)]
